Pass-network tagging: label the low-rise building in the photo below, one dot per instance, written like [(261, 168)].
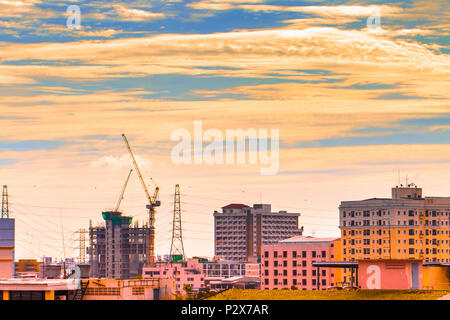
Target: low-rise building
[(27, 267), (85, 289), (288, 263), (183, 273)]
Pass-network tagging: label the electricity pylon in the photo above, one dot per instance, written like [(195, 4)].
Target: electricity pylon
[(177, 248)]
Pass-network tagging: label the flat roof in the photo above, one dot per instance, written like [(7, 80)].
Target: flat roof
[(336, 264), (306, 239), (38, 284), (436, 264)]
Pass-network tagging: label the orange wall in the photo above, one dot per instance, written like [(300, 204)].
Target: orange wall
[(436, 278)]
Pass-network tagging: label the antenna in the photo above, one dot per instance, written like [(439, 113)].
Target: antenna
[(177, 248), (62, 229)]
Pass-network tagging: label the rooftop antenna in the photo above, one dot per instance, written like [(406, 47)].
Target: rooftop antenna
[(62, 229)]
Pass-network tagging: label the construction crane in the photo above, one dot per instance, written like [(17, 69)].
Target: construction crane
[(152, 203), (123, 191)]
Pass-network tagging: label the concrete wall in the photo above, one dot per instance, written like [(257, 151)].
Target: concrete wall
[(390, 274), (6, 262)]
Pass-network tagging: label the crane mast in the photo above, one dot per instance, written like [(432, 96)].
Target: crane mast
[(152, 203)]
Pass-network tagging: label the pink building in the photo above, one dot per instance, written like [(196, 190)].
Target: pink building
[(6, 262), (289, 263), (185, 272)]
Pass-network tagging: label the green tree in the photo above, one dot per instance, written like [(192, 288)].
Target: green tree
[(188, 288)]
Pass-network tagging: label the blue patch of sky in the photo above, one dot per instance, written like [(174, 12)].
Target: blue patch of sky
[(370, 86), (102, 137), (398, 96), (167, 86), (405, 131), (31, 145), (42, 62), (441, 137), (7, 162)]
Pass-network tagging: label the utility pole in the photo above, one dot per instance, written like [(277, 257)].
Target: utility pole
[(5, 205), (177, 248)]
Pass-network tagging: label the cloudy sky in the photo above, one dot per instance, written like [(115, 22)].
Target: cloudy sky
[(354, 103)]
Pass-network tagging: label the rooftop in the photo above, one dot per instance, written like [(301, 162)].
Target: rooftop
[(235, 206), (306, 239)]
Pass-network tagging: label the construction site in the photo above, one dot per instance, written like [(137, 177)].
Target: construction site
[(110, 266)]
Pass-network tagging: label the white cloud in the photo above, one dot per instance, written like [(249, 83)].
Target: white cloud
[(123, 161)]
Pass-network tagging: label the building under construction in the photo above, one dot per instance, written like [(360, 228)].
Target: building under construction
[(118, 250)]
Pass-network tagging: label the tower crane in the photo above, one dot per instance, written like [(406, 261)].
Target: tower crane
[(152, 203), (123, 191)]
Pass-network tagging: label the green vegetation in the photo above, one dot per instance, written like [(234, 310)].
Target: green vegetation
[(240, 294)]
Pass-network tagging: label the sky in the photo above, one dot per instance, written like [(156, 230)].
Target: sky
[(358, 91)]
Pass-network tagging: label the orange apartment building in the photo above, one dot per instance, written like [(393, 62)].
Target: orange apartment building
[(407, 226)]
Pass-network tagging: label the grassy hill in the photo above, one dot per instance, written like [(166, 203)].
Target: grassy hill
[(240, 294)]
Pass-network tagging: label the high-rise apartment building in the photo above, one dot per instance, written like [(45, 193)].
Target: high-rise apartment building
[(118, 250), (406, 226), (240, 230)]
